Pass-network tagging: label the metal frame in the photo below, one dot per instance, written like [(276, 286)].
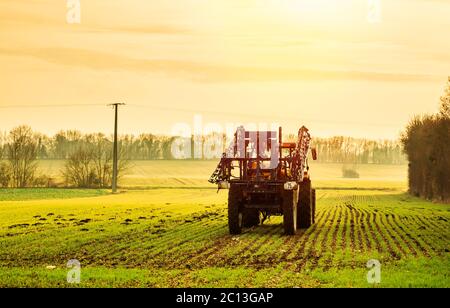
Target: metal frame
[(290, 167)]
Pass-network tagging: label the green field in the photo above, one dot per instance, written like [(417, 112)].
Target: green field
[(168, 228)]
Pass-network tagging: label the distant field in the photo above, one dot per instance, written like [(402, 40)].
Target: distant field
[(47, 193), (182, 173)]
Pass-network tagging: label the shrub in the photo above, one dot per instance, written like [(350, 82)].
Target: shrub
[(44, 181), (426, 142), (350, 172), (90, 166)]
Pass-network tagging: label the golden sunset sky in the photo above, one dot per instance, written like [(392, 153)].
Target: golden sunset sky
[(315, 62)]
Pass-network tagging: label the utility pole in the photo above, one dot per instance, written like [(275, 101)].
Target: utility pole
[(114, 176)]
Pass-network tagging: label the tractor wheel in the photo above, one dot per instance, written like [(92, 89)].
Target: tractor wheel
[(304, 205), (313, 199), (290, 211), (234, 213), (250, 218)]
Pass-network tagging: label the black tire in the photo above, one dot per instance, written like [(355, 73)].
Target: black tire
[(250, 218), (313, 203), (234, 210), (304, 205), (290, 211)]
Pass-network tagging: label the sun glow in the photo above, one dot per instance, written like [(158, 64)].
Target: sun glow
[(323, 60)]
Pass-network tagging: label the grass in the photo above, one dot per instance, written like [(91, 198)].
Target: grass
[(407, 273), (177, 236), (47, 193)]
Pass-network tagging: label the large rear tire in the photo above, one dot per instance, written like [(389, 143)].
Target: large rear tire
[(290, 211), (235, 216), (304, 205)]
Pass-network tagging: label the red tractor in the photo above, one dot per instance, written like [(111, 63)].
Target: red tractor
[(266, 176)]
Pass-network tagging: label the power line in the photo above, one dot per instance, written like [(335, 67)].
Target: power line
[(222, 113), (48, 106)]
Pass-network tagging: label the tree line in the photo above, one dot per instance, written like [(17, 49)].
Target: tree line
[(88, 157), (155, 147), (65, 142), (426, 141), (88, 164), (359, 151)]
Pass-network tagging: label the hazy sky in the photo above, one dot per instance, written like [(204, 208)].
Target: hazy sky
[(314, 62)]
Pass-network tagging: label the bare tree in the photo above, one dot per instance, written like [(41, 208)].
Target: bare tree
[(5, 174), (22, 151), (102, 151), (91, 164), (77, 171), (103, 159)]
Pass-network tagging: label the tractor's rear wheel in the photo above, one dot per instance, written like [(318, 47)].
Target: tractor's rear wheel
[(304, 205), (250, 218), (313, 199), (290, 211), (235, 217)]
